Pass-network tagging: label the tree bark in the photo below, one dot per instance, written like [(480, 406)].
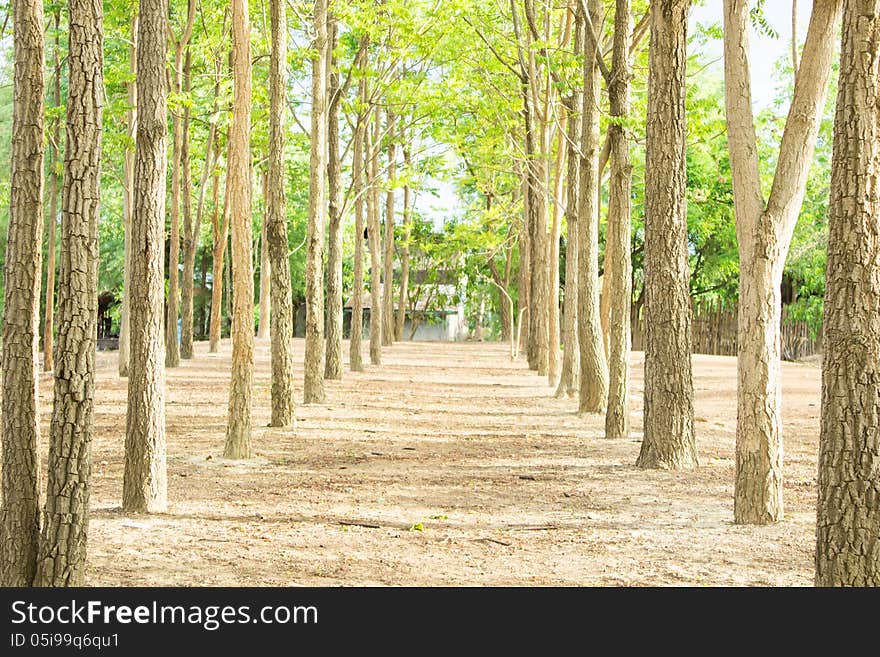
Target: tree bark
[(361, 137), (238, 429), (618, 240), (669, 390), (128, 198), (219, 235), (373, 233), (265, 269), (145, 481), (20, 511), (62, 559), (313, 387), (594, 368), (190, 227), (848, 524), (333, 364), (283, 405), (403, 298), (555, 233), (764, 235), (388, 257), (54, 184)]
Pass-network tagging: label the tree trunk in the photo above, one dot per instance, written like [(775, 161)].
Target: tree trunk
[(220, 235), (848, 529), (555, 233), (404, 247), (20, 511), (388, 258), (333, 364), (669, 390), (618, 240), (373, 233), (238, 179), (525, 274), (54, 183), (764, 235), (144, 485), (190, 233), (283, 406), (313, 388), (569, 374), (265, 268), (594, 368), (62, 559), (357, 187), (128, 198)]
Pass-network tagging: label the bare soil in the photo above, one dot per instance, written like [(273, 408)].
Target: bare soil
[(447, 465)]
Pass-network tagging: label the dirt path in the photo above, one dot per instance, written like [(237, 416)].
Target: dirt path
[(461, 469)]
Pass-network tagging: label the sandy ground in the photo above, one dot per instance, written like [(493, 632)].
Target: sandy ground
[(447, 465)]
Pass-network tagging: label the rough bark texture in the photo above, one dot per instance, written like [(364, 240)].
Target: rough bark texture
[(313, 387), (594, 368), (669, 391), (265, 311), (618, 236), (54, 181), (238, 178), (373, 233), (569, 375), (62, 559), (333, 364), (355, 357), (764, 235), (20, 511), (283, 405), (555, 233), (219, 238), (190, 232), (524, 275), (848, 528), (388, 257), (145, 481), (127, 199)]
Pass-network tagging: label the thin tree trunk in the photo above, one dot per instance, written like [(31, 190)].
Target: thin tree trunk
[(404, 247), (669, 390), (388, 257), (594, 368), (265, 268), (555, 232), (313, 387), (54, 183), (190, 236), (361, 137), (764, 234), (333, 364), (618, 240), (283, 406), (62, 559), (848, 527), (20, 511), (127, 200), (373, 233), (570, 373), (241, 386), (220, 235), (525, 274), (144, 485)]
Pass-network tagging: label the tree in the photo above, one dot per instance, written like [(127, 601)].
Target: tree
[(20, 521), (594, 368), (283, 406), (62, 557), (371, 150), (180, 154), (333, 364), (388, 257), (359, 190), (313, 387), (848, 524), (54, 180), (145, 480), (219, 238), (238, 179), (764, 232), (669, 391), (265, 270), (127, 199)]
